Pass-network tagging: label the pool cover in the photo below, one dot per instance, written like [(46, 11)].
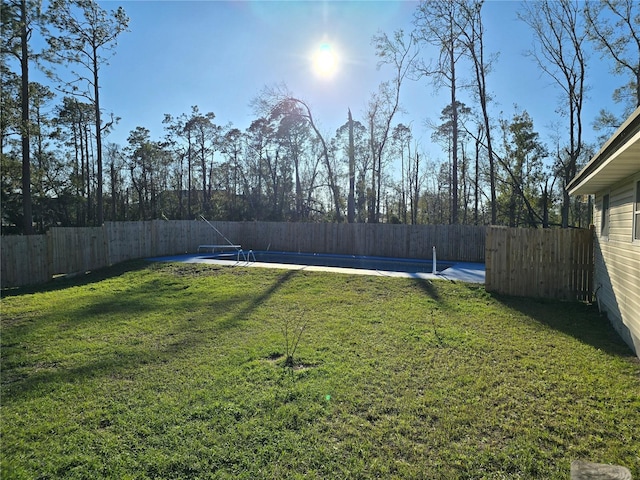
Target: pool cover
[(342, 261), (457, 271)]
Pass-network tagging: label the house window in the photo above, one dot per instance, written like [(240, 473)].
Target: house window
[(604, 222), (636, 213)]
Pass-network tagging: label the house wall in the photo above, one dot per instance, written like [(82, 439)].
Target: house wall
[(617, 262)]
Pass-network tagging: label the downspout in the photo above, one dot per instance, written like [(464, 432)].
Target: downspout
[(595, 294)]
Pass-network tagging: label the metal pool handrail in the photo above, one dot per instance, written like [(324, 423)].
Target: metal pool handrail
[(246, 257)]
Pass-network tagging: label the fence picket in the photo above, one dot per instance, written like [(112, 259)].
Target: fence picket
[(542, 263)]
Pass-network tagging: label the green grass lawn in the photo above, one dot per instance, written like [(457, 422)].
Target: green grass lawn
[(178, 371)]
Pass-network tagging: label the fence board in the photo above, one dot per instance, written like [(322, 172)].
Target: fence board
[(77, 249), (547, 263), (24, 260)]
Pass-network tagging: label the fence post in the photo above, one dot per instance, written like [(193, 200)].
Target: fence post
[(154, 238), (592, 261), (106, 245), (50, 254), (488, 258)]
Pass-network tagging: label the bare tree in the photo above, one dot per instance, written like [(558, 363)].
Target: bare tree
[(614, 28), (333, 181), (279, 102), (351, 203), (402, 139), (438, 24), (478, 138), (294, 135), (472, 34), (559, 52), (400, 53)]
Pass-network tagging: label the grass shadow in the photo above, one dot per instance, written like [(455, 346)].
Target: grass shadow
[(259, 300), (122, 359), (581, 321), (429, 288), (16, 386), (86, 278)]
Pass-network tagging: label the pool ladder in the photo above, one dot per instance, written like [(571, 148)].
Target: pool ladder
[(246, 256)]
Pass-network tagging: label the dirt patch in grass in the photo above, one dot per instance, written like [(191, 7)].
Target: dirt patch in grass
[(189, 269), (279, 360)]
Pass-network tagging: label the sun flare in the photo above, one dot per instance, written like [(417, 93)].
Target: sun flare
[(325, 61)]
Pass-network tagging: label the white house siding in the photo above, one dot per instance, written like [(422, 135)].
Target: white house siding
[(617, 263)]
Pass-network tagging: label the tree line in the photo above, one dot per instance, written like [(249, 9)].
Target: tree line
[(58, 168)]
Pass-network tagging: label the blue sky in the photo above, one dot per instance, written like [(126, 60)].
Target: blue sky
[(219, 55)]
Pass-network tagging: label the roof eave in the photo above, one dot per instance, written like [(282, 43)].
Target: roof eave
[(587, 180)]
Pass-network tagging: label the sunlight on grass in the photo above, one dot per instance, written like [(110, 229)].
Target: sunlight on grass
[(177, 371)]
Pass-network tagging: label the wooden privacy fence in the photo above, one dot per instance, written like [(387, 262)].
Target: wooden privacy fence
[(453, 242), (36, 259), (546, 263), (24, 260)]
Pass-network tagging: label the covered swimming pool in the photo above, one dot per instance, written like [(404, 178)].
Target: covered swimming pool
[(332, 260), (353, 264)]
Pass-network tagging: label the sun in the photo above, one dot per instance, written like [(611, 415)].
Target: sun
[(325, 61)]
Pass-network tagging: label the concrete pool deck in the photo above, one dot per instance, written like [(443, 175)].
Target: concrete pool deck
[(459, 271)]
